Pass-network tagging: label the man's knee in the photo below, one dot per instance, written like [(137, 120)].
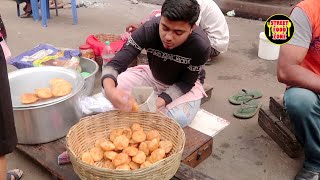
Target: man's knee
[(299, 100), (184, 113)]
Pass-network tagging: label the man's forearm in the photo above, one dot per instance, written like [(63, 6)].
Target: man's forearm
[(298, 76), (108, 85)]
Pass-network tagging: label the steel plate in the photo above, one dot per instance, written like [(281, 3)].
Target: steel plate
[(28, 79)]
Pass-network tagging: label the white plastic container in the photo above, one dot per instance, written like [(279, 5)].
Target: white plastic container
[(267, 50), (146, 98)]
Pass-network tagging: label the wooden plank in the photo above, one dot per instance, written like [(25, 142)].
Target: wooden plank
[(46, 155), (277, 108), (274, 128), (186, 173)]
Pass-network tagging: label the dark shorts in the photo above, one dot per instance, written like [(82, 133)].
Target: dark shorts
[(8, 136)]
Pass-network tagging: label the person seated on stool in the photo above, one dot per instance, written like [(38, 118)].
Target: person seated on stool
[(177, 50)]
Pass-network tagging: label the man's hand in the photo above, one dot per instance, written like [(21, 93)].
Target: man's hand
[(132, 27), (160, 103), (119, 99)]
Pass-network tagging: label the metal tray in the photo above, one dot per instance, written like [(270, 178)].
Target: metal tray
[(28, 79)]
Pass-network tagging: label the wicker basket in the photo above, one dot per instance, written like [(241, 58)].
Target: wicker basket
[(91, 128)]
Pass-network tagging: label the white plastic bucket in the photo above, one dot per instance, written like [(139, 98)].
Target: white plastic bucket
[(146, 98), (267, 50)]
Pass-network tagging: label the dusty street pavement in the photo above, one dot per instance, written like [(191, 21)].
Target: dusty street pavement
[(241, 151)]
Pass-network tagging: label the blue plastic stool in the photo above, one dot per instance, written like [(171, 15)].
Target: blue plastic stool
[(46, 11)]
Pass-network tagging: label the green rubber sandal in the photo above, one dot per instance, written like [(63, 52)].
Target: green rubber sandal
[(247, 109), (245, 96)]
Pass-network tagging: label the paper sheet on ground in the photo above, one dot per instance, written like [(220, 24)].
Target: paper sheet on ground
[(208, 123)]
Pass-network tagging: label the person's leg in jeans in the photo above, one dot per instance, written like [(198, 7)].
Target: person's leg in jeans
[(214, 53), (303, 107), (184, 113)]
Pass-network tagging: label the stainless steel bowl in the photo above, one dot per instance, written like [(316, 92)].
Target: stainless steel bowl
[(48, 120), (90, 66)]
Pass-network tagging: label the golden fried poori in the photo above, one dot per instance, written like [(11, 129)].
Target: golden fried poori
[(99, 141), (56, 81), (134, 165), (136, 127), (145, 164), (144, 148), (121, 142), (123, 167), (131, 151), (107, 146), (28, 98), (120, 159), (108, 164), (110, 155), (139, 158), (96, 153), (157, 155), (152, 134), (61, 89), (115, 133), (166, 145), (87, 158), (139, 136), (153, 145), (127, 132), (128, 148), (135, 107), (44, 93)]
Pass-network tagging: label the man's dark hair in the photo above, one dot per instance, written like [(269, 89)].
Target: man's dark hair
[(181, 10)]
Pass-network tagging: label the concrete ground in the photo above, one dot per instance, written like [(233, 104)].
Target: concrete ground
[(241, 151)]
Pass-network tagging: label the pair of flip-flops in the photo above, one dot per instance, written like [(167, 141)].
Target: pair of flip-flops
[(249, 106)]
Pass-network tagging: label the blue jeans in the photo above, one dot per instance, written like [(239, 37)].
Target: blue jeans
[(184, 113), (303, 107)]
